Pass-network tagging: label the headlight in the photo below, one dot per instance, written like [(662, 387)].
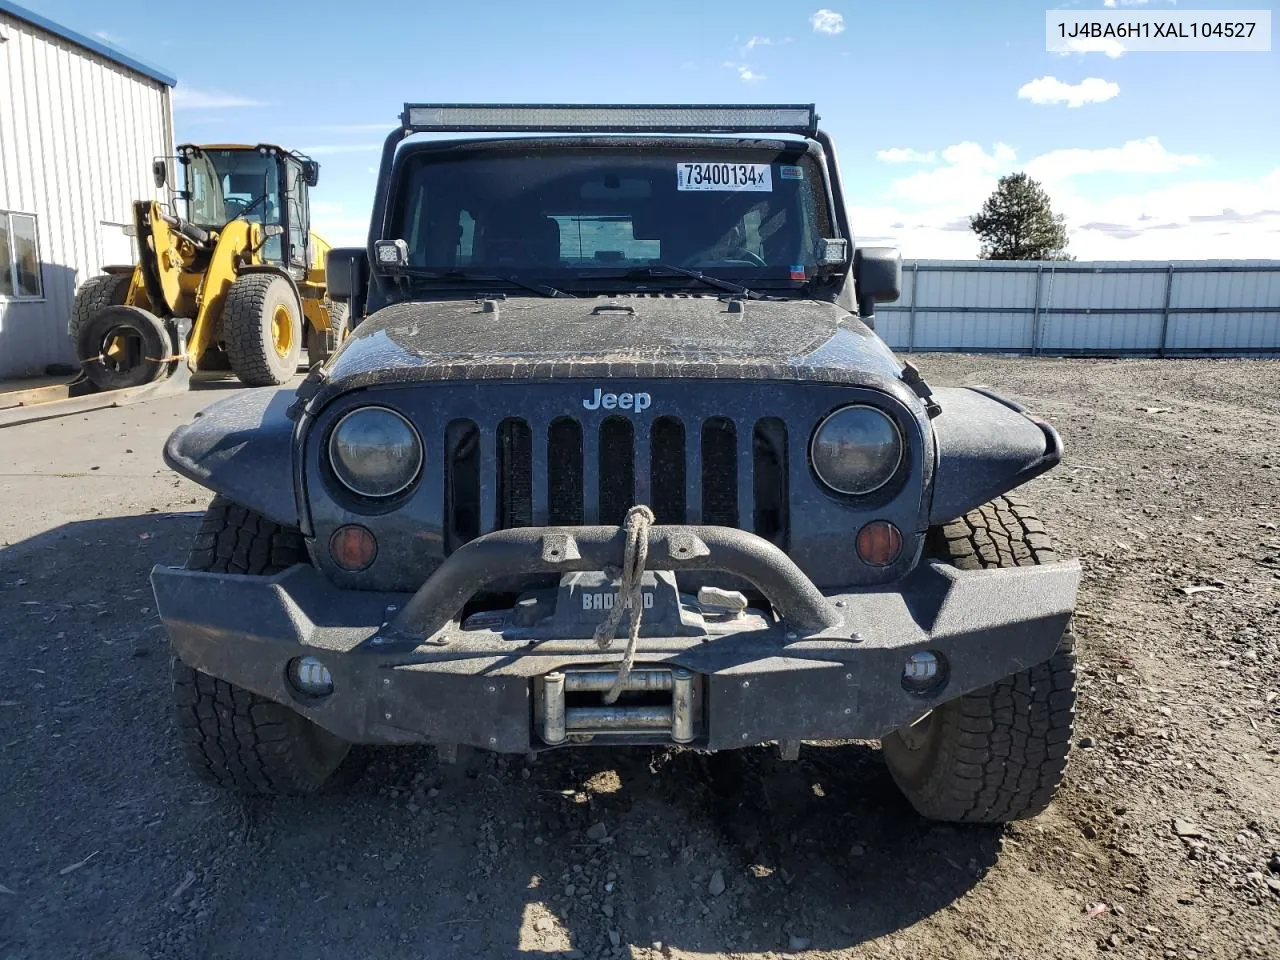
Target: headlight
[(856, 450), (375, 452)]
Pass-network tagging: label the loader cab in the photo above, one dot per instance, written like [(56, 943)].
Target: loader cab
[(264, 183)]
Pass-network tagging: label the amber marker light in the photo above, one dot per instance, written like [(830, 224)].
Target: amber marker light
[(878, 543), (353, 547)]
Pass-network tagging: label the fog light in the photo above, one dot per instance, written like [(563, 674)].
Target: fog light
[(925, 671), (878, 543), (353, 547), (310, 677)]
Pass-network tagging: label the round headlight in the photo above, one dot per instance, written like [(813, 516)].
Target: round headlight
[(375, 452), (856, 450)]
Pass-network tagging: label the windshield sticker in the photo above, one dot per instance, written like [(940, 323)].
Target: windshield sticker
[(790, 173), (724, 176)]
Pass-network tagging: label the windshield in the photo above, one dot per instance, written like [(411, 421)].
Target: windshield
[(225, 184), (570, 213)]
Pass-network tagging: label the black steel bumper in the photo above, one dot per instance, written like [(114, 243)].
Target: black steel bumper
[(405, 671)]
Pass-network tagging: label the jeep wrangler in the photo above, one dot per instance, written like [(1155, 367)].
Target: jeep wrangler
[(614, 456)]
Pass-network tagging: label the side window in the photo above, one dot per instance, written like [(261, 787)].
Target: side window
[(19, 257)]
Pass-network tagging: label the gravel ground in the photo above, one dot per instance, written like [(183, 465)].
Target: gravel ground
[(1165, 840)]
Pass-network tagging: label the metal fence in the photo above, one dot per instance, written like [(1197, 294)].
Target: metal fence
[(1135, 307)]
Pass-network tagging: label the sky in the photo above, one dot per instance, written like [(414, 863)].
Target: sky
[(1149, 155)]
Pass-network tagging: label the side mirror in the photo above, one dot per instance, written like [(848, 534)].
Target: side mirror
[(345, 273), (311, 172), (160, 171), (877, 276)]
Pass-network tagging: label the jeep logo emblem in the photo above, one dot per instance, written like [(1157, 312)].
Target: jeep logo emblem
[(639, 402)]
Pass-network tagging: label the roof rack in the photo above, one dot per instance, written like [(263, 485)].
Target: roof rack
[(610, 118)]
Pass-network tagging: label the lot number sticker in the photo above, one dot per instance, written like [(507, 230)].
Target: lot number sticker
[(724, 176)]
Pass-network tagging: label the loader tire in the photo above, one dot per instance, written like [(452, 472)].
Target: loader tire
[(998, 753), (121, 346), (96, 294), (262, 329), (231, 736), (321, 343)]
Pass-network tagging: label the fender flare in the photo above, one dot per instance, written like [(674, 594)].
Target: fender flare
[(985, 445), (242, 448)]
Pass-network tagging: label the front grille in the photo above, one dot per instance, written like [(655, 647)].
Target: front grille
[(516, 473)]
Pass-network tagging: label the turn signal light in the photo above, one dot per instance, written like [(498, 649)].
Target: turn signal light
[(879, 543), (353, 547)]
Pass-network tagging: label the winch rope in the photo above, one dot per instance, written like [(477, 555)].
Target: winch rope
[(635, 553)]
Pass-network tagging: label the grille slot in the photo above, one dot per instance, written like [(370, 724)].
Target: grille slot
[(515, 474), (667, 470), (564, 473), (720, 472), (769, 470), (461, 483), (518, 473), (617, 469)]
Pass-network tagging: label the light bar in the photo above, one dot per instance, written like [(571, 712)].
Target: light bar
[(610, 118)]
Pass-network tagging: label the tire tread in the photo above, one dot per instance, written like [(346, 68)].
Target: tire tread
[(232, 736), (1001, 750)]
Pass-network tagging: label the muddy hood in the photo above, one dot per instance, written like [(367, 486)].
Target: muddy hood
[(534, 338)]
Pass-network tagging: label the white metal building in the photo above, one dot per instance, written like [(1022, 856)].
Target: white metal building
[(80, 123), (1113, 307)]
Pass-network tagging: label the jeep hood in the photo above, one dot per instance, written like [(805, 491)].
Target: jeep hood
[(636, 336)]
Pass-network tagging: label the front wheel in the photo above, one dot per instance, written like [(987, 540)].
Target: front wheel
[(998, 753), (262, 329), (232, 736)]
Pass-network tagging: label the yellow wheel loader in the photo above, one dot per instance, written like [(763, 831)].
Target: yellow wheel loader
[(234, 285)]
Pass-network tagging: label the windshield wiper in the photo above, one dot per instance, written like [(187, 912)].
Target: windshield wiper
[(668, 270), (539, 288)]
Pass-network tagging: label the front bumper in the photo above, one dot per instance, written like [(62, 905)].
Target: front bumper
[(830, 666)]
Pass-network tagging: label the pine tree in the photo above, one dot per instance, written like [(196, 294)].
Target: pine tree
[(1018, 223)]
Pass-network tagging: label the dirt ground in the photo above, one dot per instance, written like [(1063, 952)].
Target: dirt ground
[(1169, 494)]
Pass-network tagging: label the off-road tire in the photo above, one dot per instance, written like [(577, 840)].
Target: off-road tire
[(998, 753), (247, 314), (96, 294), (321, 343), (154, 347), (232, 736)]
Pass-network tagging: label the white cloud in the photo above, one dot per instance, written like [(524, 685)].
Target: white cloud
[(1147, 155), (1131, 3), (906, 155), (189, 98), (827, 21), (745, 73), (1112, 47), (754, 42), (110, 38), (1052, 90), (966, 177)]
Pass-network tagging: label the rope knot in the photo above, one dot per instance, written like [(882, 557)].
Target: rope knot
[(630, 600)]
